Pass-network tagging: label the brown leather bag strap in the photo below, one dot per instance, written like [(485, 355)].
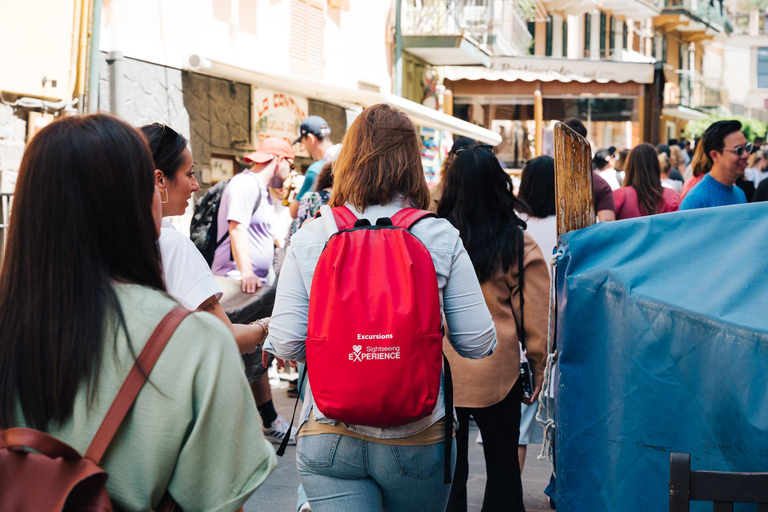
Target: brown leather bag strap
[(133, 383)]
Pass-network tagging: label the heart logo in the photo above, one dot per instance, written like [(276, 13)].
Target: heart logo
[(357, 348)]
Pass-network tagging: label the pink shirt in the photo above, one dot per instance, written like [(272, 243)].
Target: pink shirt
[(627, 206)]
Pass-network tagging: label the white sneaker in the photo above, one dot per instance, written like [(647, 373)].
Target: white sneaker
[(479, 439), (277, 431), (305, 508)]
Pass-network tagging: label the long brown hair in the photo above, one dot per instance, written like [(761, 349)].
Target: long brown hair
[(380, 159), (643, 173), (81, 222)]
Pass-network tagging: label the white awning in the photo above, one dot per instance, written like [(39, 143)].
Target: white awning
[(684, 113), (346, 97), (532, 69)]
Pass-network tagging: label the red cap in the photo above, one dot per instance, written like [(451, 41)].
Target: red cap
[(270, 148)]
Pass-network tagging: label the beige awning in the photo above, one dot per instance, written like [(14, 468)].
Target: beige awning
[(346, 97), (532, 69)]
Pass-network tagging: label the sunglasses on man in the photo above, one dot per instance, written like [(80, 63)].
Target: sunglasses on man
[(740, 150)]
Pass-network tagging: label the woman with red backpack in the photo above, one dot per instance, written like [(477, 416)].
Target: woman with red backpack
[(360, 297), (478, 200), (81, 299)]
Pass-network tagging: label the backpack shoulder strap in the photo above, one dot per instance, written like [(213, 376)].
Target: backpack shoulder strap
[(345, 219), (134, 382), (407, 217), (520, 281)]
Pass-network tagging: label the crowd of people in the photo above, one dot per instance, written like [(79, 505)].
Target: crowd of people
[(92, 266)]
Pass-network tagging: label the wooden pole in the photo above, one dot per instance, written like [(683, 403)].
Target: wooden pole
[(538, 116), (574, 198)]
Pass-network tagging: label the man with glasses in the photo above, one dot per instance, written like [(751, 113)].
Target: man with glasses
[(246, 213), (722, 157)]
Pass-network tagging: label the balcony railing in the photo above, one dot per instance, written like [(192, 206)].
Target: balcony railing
[(497, 23), (699, 92), (712, 12)]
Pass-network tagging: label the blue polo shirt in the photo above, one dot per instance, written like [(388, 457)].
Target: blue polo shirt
[(710, 192)]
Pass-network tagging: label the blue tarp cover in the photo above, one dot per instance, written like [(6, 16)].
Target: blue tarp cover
[(663, 334)]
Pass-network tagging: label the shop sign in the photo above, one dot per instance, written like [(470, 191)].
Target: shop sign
[(279, 114)]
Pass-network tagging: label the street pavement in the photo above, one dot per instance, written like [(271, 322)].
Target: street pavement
[(278, 493)]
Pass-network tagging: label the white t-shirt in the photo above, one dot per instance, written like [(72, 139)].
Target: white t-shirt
[(544, 231), (609, 175), (755, 175), (186, 273)]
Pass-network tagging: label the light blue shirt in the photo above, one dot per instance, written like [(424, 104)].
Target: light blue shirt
[(710, 192), (469, 323), (310, 177)]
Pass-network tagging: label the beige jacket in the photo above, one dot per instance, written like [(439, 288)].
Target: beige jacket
[(485, 382)]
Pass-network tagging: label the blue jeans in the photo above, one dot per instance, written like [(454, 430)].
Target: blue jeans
[(344, 474)]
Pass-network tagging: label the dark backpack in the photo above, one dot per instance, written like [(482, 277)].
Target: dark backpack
[(39, 472), (204, 227)]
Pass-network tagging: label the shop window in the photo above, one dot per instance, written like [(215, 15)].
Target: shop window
[(587, 33), (307, 32), (565, 38), (762, 68), (548, 51)]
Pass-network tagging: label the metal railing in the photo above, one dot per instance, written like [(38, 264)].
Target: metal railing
[(699, 92), (711, 12), (501, 22), (6, 200)]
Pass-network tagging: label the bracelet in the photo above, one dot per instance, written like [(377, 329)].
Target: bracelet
[(264, 327)]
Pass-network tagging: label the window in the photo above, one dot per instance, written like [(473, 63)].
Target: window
[(625, 36), (587, 33), (762, 68), (548, 51), (565, 38), (307, 32), (603, 24), (532, 31), (611, 38)]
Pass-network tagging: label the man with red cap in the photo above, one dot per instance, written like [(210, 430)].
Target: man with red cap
[(246, 214)]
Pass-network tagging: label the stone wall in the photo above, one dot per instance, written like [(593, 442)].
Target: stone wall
[(213, 114)]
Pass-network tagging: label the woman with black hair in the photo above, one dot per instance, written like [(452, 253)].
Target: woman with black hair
[(537, 190), (478, 200), (81, 291), (189, 278)]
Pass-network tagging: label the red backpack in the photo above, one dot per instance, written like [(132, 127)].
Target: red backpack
[(374, 334), (54, 477)]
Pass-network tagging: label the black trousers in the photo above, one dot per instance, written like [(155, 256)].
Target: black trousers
[(500, 427)]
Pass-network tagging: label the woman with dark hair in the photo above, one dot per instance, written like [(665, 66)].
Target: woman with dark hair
[(362, 467), (537, 190), (188, 277), (84, 227), (479, 202), (601, 164), (186, 273), (642, 193)]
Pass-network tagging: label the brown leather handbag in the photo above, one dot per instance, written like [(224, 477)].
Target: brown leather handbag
[(40, 473)]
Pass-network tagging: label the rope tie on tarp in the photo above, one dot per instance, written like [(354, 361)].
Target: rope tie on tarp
[(545, 414)]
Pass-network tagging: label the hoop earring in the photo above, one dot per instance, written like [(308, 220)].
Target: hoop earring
[(166, 196)]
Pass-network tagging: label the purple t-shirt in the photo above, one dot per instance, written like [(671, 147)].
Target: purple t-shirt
[(237, 204)]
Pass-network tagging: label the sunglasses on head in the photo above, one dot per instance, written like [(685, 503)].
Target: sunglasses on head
[(490, 148), (740, 150)]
